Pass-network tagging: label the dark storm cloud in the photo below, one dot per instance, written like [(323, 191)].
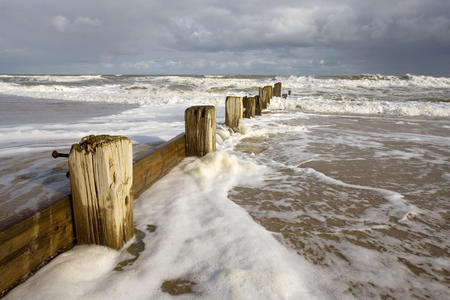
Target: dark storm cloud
[(285, 37)]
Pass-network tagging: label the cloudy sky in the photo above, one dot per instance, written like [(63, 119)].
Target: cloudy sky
[(324, 37)]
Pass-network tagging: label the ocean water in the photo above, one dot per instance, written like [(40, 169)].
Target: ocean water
[(340, 191)]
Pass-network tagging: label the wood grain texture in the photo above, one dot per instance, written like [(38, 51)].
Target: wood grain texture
[(28, 244), (263, 98), (158, 163), (257, 106), (233, 112), (277, 89), (269, 93), (200, 128), (249, 104), (101, 179)]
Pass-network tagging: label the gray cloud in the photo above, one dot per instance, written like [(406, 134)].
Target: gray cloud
[(275, 37)]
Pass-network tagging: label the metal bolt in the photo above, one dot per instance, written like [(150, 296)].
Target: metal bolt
[(56, 154)]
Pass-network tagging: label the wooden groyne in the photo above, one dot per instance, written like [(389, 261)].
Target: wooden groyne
[(104, 182), (158, 163), (27, 245)]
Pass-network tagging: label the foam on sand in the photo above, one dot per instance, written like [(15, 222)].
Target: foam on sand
[(401, 209), (201, 239)]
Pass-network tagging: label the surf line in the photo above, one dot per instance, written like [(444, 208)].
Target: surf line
[(408, 210)]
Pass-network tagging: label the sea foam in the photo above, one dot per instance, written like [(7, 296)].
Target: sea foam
[(362, 94), (201, 237), (390, 108)]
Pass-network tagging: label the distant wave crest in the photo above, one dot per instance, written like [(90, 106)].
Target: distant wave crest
[(368, 81)]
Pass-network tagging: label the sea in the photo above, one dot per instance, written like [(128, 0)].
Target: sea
[(339, 191)]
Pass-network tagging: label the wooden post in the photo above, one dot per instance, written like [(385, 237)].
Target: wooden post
[(233, 112), (200, 127), (263, 98), (289, 92), (249, 104), (257, 106), (277, 89), (269, 91), (101, 177)]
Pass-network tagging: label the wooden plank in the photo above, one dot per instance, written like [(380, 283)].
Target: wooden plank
[(26, 245), (29, 244), (149, 169)]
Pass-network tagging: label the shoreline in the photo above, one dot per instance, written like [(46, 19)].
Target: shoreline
[(334, 188)]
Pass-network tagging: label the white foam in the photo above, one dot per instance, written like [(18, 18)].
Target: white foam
[(361, 96), (143, 125), (403, 210), (155, 90), (374, 107), (365, 81), (398, 154), (54, 78), (201, 236)]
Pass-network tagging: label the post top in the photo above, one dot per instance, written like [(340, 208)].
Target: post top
[(201, 106), (91, 142), (233, 97)]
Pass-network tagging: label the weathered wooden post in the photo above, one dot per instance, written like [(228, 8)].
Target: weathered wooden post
[(249, 104), (233, 112), (269, 91), (289, 92), (200, 128), (257, 106), (263, 98), (277, 89), (101, 178)]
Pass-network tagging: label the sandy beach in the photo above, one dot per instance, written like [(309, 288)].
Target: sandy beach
[(372, 192), (339, 191)]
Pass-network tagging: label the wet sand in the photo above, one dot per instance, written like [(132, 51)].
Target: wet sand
[(335, 208)]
